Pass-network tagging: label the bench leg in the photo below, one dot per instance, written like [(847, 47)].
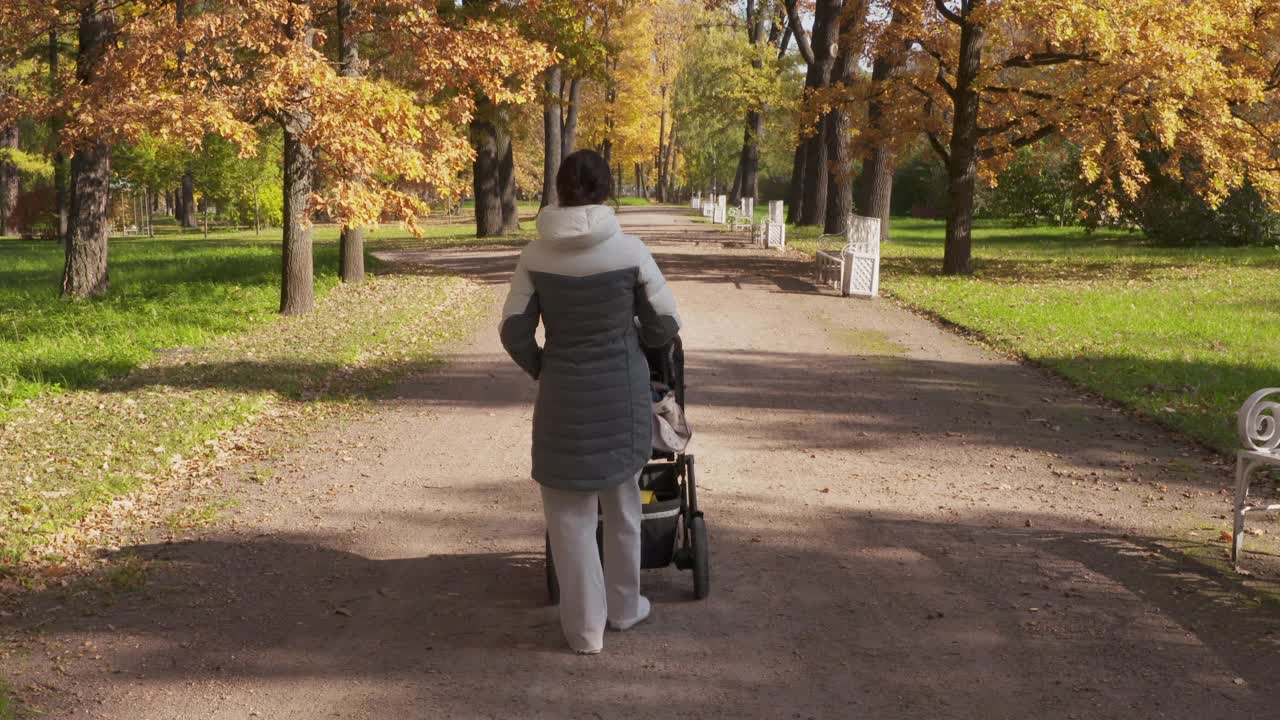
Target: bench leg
[(1243, 470)]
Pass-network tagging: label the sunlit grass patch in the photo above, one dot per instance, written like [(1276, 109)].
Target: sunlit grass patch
[(182, 357), (1180, 334)]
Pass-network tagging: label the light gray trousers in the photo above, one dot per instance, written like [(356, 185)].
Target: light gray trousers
[(591, 596)]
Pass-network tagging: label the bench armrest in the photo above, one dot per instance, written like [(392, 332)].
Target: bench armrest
[(840, 242), (1258, 421)]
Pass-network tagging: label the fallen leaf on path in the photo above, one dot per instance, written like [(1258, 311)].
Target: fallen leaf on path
[(1224, 536)]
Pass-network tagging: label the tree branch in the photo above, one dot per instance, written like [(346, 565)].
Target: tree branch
[(1043, 59), (942, 68), (797, 29), (1041, 133), (946, 86), (1035, 94), (947, 12), (784, 42), (937, 147)]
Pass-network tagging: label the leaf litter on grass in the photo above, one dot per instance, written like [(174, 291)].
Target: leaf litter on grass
[(81, 469)]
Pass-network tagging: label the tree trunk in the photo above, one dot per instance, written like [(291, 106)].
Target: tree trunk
[(85, 271), (505, 148), (350, 253), (813, 206), (297, 294), (297, 277), (874, 186), (749, 161), (606, 152), (795, 198), (187, 206), (749, 184), (659, 165), (826, 30), (55, 130), (188, 191), (569, 125), (486, 185), (8, 178), (351, 237), (795, 191), (667, 190), (840, 175), (551, 137), (962, 165)]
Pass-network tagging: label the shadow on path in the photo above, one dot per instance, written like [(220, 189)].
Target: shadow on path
[(888, 616)]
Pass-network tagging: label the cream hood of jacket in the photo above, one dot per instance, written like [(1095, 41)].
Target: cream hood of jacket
[(577, 227)]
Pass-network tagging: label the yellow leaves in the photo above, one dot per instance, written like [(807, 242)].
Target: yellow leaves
[(1192, 81), (246, 61)]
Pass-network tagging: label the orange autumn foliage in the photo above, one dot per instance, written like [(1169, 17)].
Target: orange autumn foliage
[(243, 64), (1194, 82)]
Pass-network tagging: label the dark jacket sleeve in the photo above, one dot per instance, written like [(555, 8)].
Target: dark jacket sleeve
[(520, 316)]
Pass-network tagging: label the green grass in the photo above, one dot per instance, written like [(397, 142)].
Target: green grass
[(170, 291), (165, 292), (102, 398), (8, 711), (1183, 335)]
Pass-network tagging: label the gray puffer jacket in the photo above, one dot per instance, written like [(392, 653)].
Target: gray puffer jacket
[(588, 283)]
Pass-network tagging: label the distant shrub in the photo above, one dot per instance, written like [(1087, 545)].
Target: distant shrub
[(1041, 185), (1171, 214)]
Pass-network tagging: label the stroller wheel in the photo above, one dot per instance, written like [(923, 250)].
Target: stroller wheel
[(553, 585), (701, 557)]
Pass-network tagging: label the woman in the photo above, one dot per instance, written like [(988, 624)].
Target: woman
[(600, 296)]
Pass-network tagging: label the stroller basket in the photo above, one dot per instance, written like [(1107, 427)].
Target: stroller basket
[(660, 524)]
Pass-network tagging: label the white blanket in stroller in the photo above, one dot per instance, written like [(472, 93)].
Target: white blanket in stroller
[(671, 431)]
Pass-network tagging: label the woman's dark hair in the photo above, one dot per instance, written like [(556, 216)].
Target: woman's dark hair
[(584, 179)]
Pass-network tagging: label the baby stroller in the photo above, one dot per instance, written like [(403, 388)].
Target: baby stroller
[(672, 529)]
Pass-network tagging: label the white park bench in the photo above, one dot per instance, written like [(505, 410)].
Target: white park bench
[(853, 269), (719, 214), (743, 217), (773, 231), (696, 201), (708, 206), (1259, 425)]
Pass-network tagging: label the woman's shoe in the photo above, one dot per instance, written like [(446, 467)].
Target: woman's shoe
[(645, 608)]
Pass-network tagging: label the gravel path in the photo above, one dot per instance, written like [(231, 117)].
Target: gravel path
[(903, 526)]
